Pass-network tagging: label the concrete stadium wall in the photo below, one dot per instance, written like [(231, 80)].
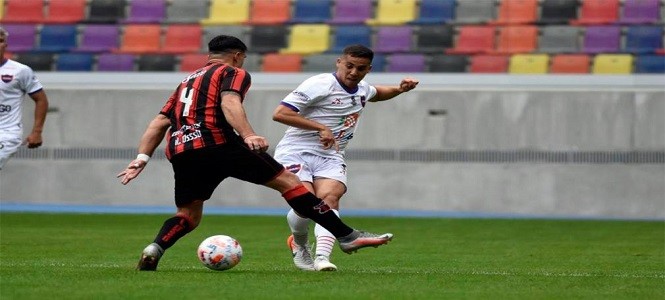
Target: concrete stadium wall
[(582, 146)]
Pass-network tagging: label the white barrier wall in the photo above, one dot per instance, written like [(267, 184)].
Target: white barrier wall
[(586, 146)]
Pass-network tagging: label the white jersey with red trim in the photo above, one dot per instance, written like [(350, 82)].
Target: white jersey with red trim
[(322, 98), (16, 80)]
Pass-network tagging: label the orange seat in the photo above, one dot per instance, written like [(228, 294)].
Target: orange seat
[(24, 11), (570, 64), (143, 38), (517, 39), (65, 11), (517, 12), (286, 63), (192, 61), (182, 38), (473, 40), (595, 12), (489, 64), (267, 12)]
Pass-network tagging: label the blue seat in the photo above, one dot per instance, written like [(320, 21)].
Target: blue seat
[(644, 39), (378, 63), (311, 11), (650, 64), (435, 12), (351, 34), (74, 62), (57, 38)]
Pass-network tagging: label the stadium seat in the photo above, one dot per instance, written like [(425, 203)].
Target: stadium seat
[(227, 12), (156, 63), (517, 39), (559, 39), (435, 12), (252, 62), (448, 63), (394, 12), (570, 64), (282, 63), (182, 38), (141, 38), (516, 12), (601, 39), (528, 64), (311, 11), (269, 12), (106, 11), (598, 12), (352, 12), (558, 11), (81, 62), (489, 64), (209, 32), (265, 39), (146, 11), (405, 63), (653, 64), (308, 39), (473, 40), (36, 61), (640, 12), (643, 39), (57, 38), (66, 11), (392, 39), (320, 63), (349, 35), (99, 38), (434, 38), (192, 61), (474, 11), (612, 64), (2, 10), (112, 62), (24, 11), (21, 37), (190, 11), (378, 63)]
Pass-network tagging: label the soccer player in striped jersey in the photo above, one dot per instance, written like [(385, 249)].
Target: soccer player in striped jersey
[(17, 80), (210, 139), (322, 114)]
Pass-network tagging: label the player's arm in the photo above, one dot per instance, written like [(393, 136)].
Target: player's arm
[(34, 139), (389, 92), (235, 114), (290, 117), (150, 140)]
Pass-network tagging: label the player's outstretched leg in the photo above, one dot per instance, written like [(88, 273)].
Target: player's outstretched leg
[(361, 239), (302, 255), (150, 258)]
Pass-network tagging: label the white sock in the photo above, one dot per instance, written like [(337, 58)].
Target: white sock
[(299, 227), (324, 240)]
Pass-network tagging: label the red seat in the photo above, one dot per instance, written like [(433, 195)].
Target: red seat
[(517, 39), (595, 12), (489, 64), (285, 63), (24, 11), (141, 39), (473, 40), (192, 61), (570, 64), (182, 38), (65, 11), (517, 12)]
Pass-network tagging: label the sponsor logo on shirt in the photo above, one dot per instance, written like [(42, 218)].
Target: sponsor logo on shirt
[(6, 78)]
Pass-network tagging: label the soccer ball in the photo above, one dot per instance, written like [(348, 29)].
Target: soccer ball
[(220, 252)]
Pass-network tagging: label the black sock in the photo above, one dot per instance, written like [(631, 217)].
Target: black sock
[(309, 206), (172, 230)]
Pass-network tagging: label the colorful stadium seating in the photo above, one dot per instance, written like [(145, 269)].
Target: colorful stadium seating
[(227, 12), (65, 11), (394, 12), (570, 64), (269, 12), (282, 63), (308, 39), (24, 11)]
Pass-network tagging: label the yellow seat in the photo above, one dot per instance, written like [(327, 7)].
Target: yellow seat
[(308, 39), (528, 64), (2, 8), (612, 64), (394, 12), (227, 12)]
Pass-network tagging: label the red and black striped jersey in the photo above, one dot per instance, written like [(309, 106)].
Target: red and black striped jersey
[(195, 110)]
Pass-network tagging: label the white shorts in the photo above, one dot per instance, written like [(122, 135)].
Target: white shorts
[(9, 143), (309, 166)]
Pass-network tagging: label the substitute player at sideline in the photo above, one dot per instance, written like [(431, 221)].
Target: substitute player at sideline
[(322, 114), (17, 80), (210, 139)]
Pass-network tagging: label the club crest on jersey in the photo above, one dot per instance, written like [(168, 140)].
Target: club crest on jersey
[(322, 207), (6, 78), (294, 168)]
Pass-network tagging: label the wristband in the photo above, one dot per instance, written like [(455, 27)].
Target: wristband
[(143, 157)]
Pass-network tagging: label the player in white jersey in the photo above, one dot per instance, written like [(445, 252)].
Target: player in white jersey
[(322, 114), (17, 80)]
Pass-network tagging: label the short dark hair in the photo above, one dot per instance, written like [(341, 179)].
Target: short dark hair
[(226, 43), (359, 51)]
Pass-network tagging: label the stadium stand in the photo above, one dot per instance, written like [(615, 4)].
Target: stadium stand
[(156, 63), (24, 11), (282, 63), (239, 31), (80, 62), (308, 39), (448, 63), (141, 38), (105, 11), (99, 38), (65, 11), (264, 38), (190, 62), (435, 12), (320, 63), (405, 63), (350, 34), (474, 11), (2, 9), (311, 11), (57, 38), (21, 38), (227, 12), (598, 12), (36, 61), (252, 62), (190, 11), (650, 64), (558, 11), (643, 39), (434, 38), (182, 38), (112, 62), (570, 64), (269, 12), (351, 12), (640, 12), (612, 64), (393, 39), (393, 12), (559, 39), (473, 39), (516, 12), (146, 11), (516, 39), (528, 64), (489, 64), (602, 39)]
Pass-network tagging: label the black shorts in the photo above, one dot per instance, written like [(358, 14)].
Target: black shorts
[(198, 172)]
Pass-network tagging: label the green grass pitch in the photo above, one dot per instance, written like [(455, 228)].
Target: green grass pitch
[(92, 256)]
